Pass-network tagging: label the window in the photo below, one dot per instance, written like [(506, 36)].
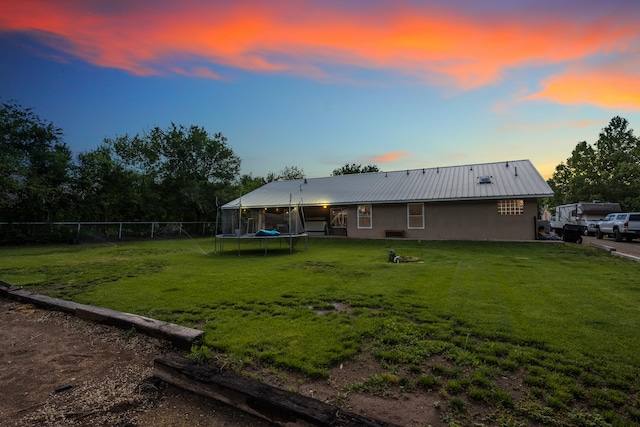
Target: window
[(415, 215), (511, 207), (339, 218), (364, 216)]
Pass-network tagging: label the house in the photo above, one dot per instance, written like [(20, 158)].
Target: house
[(489, 201)]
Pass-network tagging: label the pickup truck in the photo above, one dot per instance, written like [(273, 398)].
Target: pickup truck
[(620, 225)]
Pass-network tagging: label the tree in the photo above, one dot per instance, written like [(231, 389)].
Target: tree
[(104, 190), (34, 167), (618, 164), (187, 167), (289, 172), (608, 171), (353, 168), (248, 183), (577, 179)]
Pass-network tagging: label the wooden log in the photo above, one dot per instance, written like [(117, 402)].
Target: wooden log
[(43, 301), (280, 407), (181, 336), (5, 288)]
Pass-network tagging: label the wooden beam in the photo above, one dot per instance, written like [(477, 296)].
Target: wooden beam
[(278, 406)]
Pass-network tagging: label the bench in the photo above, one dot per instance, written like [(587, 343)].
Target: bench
[(393, 233)]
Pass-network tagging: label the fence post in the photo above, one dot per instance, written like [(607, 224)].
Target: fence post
[(120, 232), (152, 226)]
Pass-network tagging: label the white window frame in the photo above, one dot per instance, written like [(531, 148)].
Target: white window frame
[(511, 207), (365, 212), (410, 216)]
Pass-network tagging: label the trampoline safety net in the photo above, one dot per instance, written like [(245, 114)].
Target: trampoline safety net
[(243, 221)]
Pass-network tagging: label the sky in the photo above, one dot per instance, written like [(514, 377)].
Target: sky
[(319, 84)]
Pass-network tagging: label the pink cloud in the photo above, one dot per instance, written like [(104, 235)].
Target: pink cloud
[(429, 44), (389, 157)]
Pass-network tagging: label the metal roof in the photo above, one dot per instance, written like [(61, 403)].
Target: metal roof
[(508, 179)]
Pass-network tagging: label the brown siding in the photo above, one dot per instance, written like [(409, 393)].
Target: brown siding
[(478, 220)]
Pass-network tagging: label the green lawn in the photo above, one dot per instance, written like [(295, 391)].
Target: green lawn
[(564, 317)]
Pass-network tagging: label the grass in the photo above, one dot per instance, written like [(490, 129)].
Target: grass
[(563, 317)]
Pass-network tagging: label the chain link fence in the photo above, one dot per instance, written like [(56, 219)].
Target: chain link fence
[(76, 232)]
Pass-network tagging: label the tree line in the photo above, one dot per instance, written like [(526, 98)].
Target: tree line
[(607, 170), (172, 174), (176, 174)]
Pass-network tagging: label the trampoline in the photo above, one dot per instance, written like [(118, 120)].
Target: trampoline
[(264, 240), (267, 225)]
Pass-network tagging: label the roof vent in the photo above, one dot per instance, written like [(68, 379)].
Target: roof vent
[(484, 180)]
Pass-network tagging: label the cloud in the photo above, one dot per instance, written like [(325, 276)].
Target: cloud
[(426, 44), (389, 157), (203, 72), (611, 87)]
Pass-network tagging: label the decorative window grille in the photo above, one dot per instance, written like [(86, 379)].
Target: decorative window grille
[(511, 207)]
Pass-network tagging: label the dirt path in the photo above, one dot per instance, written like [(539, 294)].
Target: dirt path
[(57, 370)]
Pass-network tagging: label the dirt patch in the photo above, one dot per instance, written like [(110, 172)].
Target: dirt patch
[(57, 370), (415, 409)]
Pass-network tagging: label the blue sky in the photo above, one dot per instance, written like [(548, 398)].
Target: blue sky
[(317, 84)]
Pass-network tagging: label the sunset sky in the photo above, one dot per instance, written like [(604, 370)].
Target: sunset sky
[(317, 84)]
